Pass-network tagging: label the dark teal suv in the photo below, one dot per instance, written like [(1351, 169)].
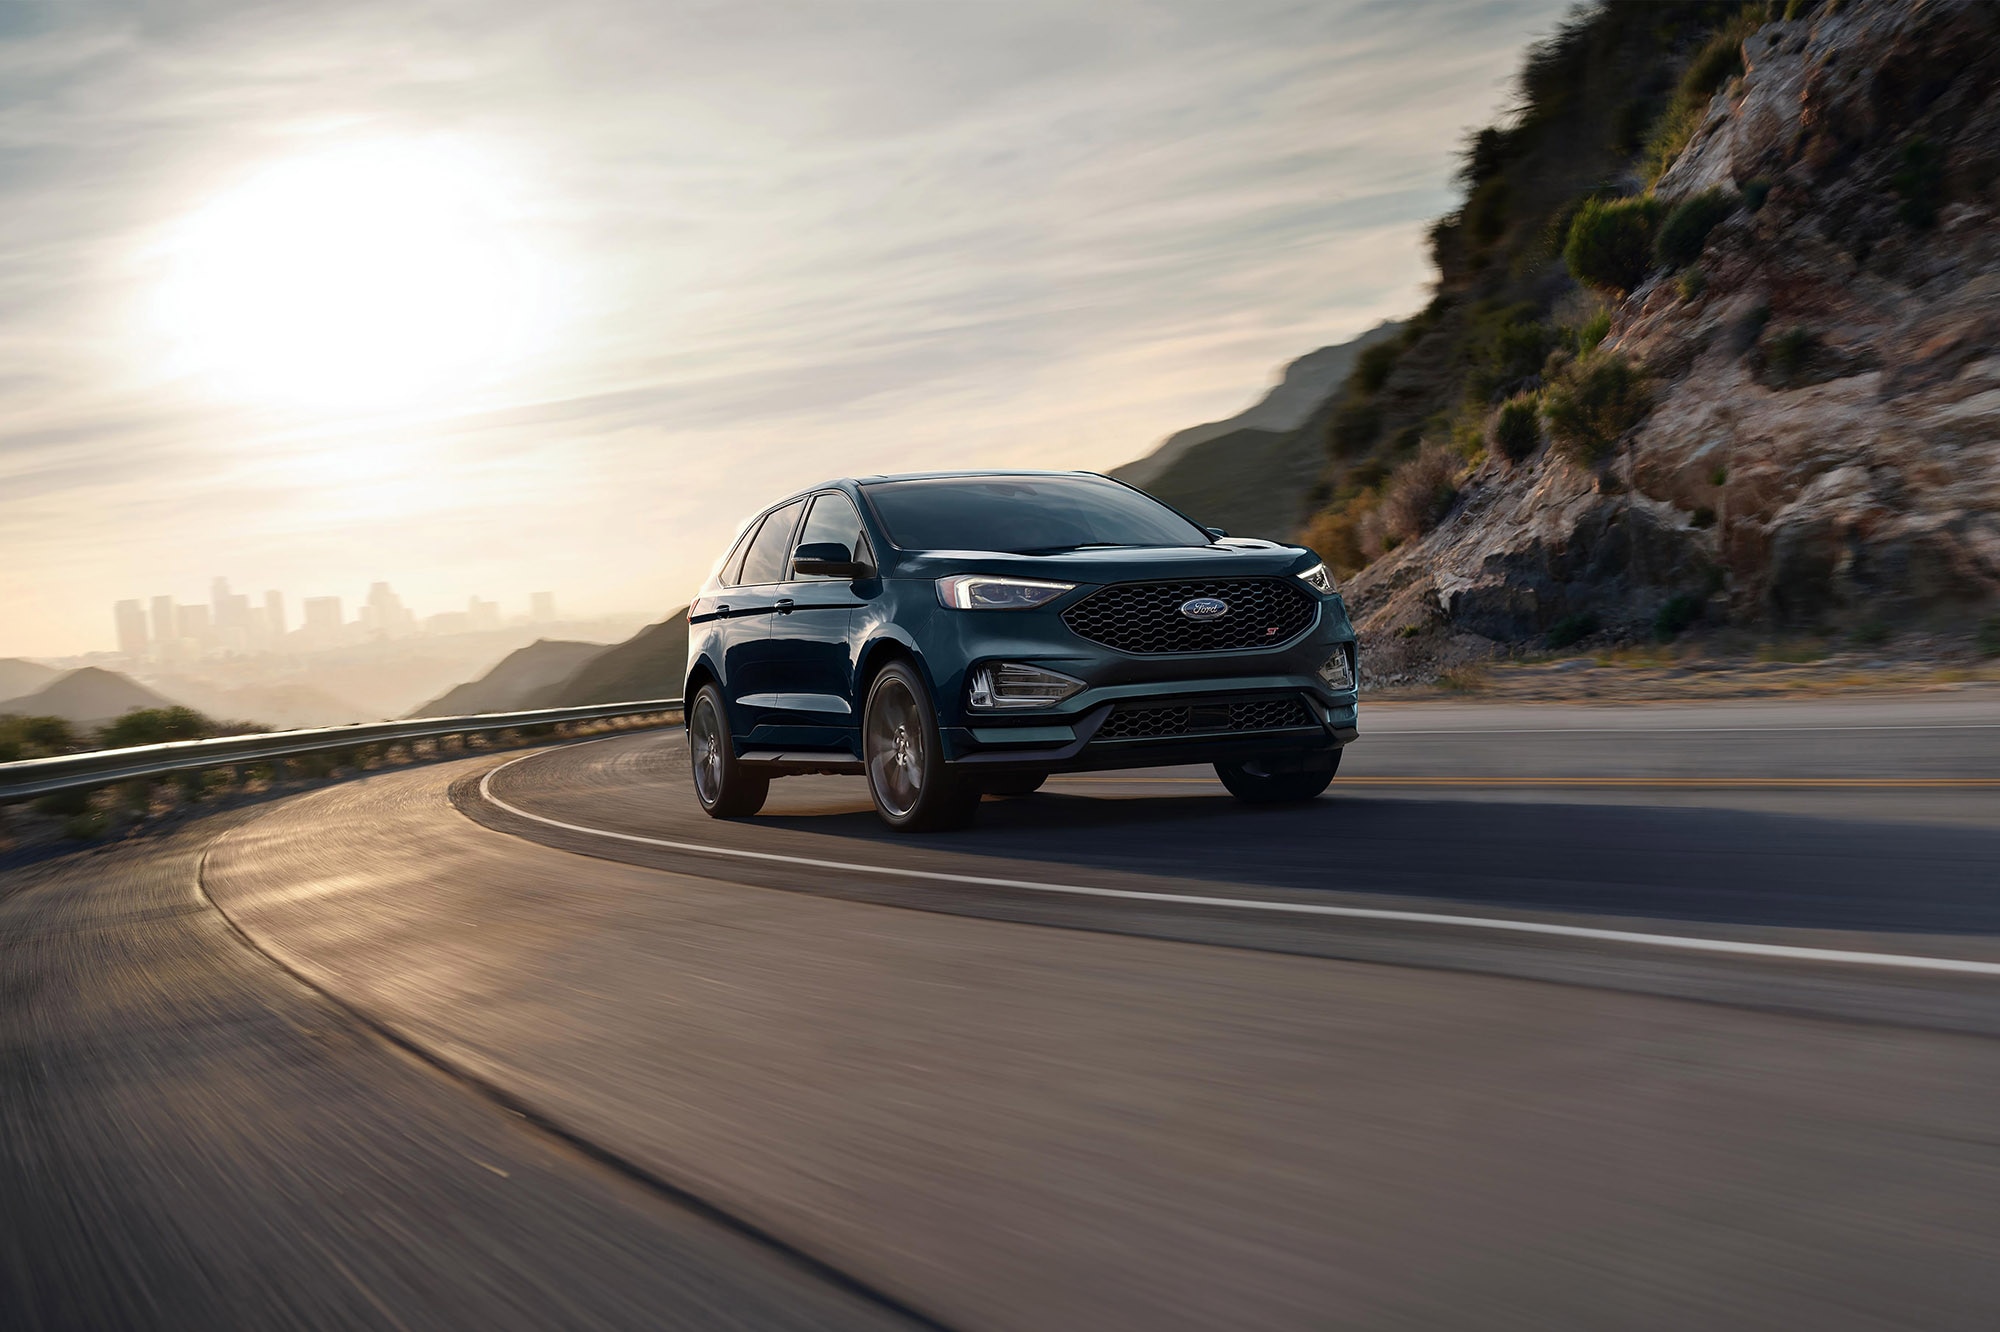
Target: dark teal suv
[(961, 634)]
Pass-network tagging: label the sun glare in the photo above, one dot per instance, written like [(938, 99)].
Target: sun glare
[(382, 274)]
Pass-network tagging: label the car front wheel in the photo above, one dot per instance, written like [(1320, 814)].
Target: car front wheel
[(1255, 784), (725, 787), (913, 788)]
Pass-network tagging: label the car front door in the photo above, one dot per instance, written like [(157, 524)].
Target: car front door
[(811, 646), (752, 682)]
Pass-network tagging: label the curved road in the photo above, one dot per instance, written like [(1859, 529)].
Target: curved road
[(1636, 1017)]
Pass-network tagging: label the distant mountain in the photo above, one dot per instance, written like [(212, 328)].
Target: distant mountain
[(87, 697), (1302, 387), (650, 664), (283, 707), (520, 681), (1252, 483), (19, 676)]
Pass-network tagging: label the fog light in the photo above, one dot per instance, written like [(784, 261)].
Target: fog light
[(1013, 684), (1339, 670)]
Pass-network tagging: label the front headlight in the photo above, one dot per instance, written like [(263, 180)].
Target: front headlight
[(990, 592), (1317, 578)]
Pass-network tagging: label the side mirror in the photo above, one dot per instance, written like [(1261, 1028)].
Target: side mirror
[(1216, 531), (827, 559)]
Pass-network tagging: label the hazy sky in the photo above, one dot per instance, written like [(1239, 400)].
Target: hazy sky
[(494, 297)]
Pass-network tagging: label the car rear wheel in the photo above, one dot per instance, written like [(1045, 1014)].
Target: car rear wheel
[(913, 788), (1255, 784), (1013, 784), (726, 788)]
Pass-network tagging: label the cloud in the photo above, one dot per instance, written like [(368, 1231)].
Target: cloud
[(795, 240)]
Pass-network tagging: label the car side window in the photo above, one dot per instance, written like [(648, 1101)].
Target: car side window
[(732, 563), (834, 518), (770, 552)]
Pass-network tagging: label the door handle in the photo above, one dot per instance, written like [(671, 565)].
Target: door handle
[(722, 608), (785, 605)]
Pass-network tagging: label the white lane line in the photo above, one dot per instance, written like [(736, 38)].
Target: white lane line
[(1683, 942), (1670, 730)]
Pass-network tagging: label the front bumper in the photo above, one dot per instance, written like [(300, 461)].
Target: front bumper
[(1226, 720)]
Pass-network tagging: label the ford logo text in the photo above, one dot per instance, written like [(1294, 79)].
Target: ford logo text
[(1205, 608)]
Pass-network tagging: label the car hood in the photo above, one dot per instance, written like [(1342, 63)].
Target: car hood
[(1234, 558)]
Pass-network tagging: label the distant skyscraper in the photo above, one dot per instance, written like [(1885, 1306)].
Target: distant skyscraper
[(192, 622), (218, 602), (542, 607), (131, 620), (274, 613), (386, 614), (484, 615), (163, 624), (323, 619)]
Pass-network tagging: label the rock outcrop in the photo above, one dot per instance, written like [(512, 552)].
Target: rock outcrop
[(1824, 444)]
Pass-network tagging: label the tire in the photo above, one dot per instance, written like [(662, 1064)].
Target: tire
[(913, 788), (726, 787), (1013, 785), (1248, 783)]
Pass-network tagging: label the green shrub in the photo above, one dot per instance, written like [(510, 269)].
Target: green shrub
[(1874, 633), (62, 802), (1421, 492), (1693, 283), (1610, 242), (1355, 426), (1372, 367), (1714, 65), (36, 737), (1919, 179), (1789, 354), (1592, 403), (154, 726), (1686, 229), (1676, 616), (1594, 331), (1755, 191), (1719, 477), (1987, 637), (85, 827), (1703, 517), (1571, 630), (1517, 427), (1486, 211)]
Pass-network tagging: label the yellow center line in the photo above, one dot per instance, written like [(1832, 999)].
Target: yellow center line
[(1781, 783)]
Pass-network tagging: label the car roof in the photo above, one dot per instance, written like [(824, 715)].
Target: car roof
[(929, 476)]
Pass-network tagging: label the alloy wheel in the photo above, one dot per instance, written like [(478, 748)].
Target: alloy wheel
[(895, 744)]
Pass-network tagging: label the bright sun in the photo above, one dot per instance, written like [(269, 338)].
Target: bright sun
[(381, 274)]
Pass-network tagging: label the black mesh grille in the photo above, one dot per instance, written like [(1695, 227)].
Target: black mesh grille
[(1146, 617), (1143, 721)]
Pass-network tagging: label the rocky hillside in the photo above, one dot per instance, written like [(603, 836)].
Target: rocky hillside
[(519, 681), (1253, 472), (650, 664), (551, 674), (1716, 340)]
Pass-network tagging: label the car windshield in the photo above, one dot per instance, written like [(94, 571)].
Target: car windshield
[(1025, 515)]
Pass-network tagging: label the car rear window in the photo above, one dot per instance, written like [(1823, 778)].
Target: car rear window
[(770, 553), (1024, 514)]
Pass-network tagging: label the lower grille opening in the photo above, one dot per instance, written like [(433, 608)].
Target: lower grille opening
[(1143, 721)]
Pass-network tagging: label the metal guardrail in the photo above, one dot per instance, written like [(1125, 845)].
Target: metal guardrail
[(28, 778)]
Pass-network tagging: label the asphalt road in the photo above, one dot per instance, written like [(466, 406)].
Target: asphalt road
[(1126, 1055)]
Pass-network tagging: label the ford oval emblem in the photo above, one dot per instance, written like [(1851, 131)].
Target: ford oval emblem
[(1205, 608)]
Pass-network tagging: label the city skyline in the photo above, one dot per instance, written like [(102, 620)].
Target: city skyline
[(161, 630)]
